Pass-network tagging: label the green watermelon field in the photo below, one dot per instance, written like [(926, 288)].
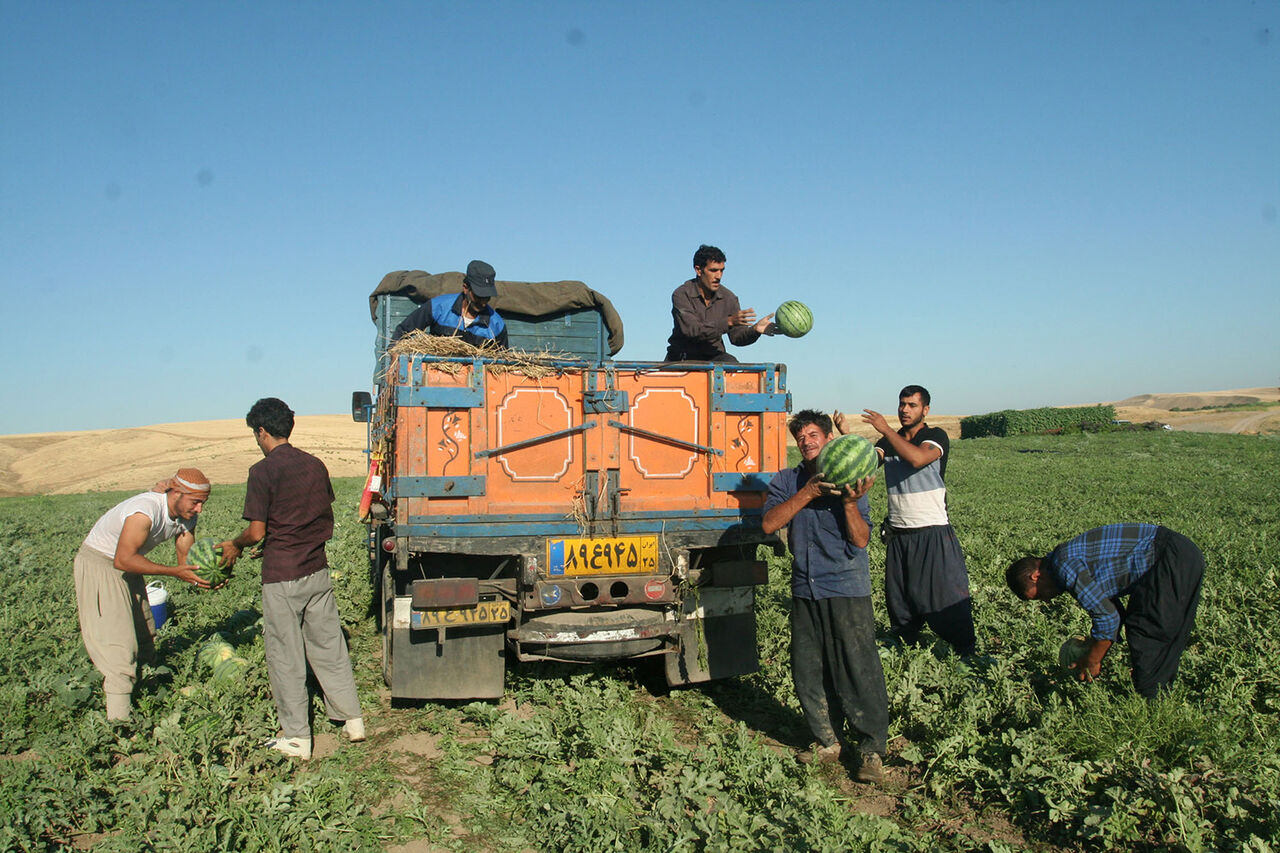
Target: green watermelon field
[(1003, 754)]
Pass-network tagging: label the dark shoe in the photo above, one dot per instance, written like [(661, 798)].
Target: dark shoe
[(819, 754), (871, 770)]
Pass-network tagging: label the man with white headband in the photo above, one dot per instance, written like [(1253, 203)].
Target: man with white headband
[(110, 573)]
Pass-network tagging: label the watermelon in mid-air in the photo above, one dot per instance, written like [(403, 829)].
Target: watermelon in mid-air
[(847, 459), (793, 319)]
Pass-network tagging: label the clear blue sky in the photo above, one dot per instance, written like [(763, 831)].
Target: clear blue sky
[(1012, 203)]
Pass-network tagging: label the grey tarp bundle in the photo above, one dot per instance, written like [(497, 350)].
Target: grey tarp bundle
[(531, 299)]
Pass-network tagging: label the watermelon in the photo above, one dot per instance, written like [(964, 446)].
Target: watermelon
[(847, 459), (1072, 650), (204, 557), (215, 650), (230, 669), (793, 319)]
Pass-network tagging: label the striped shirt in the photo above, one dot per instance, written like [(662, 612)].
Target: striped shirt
[(917, 496), (1100, 565)]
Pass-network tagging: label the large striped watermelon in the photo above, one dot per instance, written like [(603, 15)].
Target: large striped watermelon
[(204, 556), (847, 459), (793, 319)]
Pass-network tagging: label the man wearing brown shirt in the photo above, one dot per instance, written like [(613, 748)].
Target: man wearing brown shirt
[(289, 500), (703, 310)]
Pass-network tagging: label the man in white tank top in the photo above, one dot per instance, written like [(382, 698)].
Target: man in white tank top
[(110, 574)]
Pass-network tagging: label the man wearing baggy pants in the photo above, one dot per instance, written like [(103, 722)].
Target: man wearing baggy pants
[(835, 663), (1159, 570), (289, 500), (110, 575)]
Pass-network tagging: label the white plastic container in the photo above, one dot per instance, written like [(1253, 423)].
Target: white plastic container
[(158, 598)]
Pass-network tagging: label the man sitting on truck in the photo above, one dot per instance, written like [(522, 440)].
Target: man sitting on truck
[(703, 310), (466, 315)]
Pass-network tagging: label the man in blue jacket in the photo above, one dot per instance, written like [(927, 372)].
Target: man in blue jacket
[(466, 315)]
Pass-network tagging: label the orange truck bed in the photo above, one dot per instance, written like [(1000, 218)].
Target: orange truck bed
[(586, 510)]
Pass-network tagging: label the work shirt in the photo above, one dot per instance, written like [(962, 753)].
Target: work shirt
[(443, 316), (917, 496), (290, 491), (1100, 565), (825, 563), (104, 536), (699, 324)]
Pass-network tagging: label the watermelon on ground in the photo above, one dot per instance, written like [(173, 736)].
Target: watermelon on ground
[(847, 459), (793, 319), (1072, 650)]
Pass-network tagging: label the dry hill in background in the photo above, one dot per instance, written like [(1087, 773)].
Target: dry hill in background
[(133, 459)]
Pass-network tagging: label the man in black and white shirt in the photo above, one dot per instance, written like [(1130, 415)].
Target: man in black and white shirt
[(926, 580)]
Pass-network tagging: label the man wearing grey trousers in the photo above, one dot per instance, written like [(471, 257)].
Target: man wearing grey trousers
[(289, 501)]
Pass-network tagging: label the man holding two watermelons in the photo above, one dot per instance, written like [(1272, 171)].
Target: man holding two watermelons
[(926, 580), (835, 664)]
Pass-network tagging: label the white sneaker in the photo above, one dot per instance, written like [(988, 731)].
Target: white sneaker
[(298, 747), (354, 729)]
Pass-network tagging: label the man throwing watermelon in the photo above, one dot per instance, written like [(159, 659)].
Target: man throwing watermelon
[(704, 310), (1159, 570), (834, 660), (926, 580), (110, 575)]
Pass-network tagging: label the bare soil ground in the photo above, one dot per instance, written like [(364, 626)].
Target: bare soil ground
[(122, 459), (125, 459)]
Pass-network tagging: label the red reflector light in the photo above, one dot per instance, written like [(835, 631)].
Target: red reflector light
[(388, 545)]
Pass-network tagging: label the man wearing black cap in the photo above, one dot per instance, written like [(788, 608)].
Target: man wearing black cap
[(466, 315)]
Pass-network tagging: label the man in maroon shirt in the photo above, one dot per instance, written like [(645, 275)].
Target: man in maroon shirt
[(289, 501), (703, 311)]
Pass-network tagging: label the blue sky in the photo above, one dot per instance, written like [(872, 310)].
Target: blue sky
[(1014, 204)]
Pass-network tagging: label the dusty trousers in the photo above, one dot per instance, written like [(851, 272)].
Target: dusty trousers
[(835, 665), (115, 623)]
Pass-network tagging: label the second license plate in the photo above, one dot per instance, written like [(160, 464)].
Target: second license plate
[(484, 613), (618, 555)]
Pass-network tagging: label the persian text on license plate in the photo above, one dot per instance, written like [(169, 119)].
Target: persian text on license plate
[(612, 556), (484, 613)]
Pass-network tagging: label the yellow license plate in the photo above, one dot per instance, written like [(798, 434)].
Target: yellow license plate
[(618, 555), (484, 613)]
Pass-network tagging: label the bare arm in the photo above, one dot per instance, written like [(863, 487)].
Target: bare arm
[(1089, 664), (132, 537), (917, 456), (859, 531), (251, 535), (780, 516)]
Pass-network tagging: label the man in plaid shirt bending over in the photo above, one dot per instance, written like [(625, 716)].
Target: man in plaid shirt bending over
[(1159, 570)]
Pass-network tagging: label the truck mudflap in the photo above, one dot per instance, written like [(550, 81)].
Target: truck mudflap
[(447, 654), (715, 634)]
